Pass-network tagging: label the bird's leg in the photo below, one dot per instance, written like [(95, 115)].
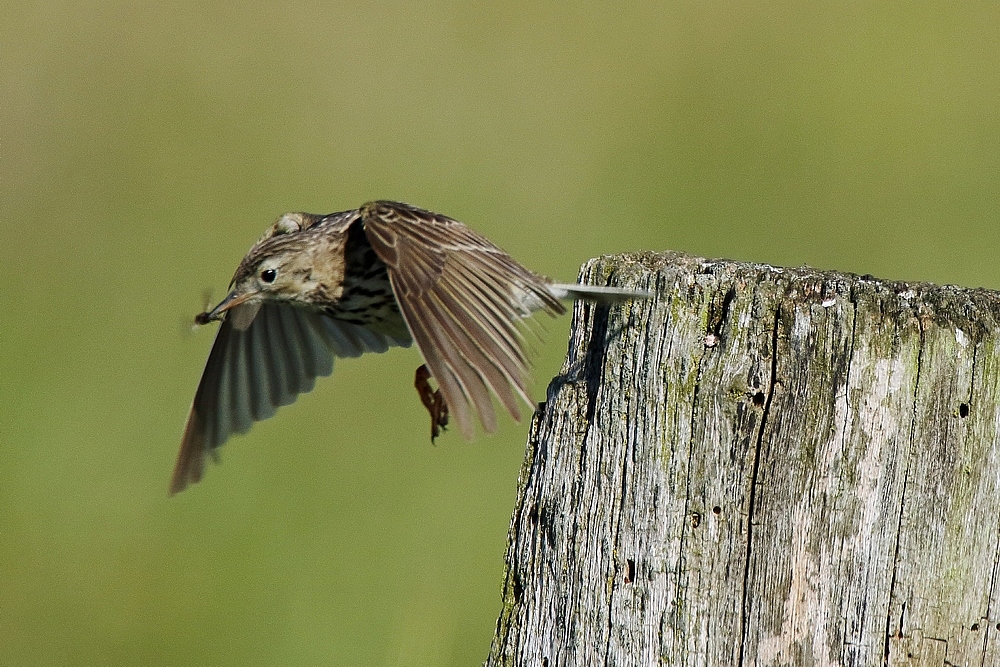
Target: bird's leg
[(432, 400)]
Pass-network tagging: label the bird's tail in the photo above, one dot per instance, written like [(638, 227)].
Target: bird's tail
[(602, 295)]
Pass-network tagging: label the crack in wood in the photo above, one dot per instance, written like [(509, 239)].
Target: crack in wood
[(753, 482), (902, 505)]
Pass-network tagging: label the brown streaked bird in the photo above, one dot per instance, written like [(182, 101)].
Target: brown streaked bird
[(315, 287)]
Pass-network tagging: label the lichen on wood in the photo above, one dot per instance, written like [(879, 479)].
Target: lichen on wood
[(762, 466)]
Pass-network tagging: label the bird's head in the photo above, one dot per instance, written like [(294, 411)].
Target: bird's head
[(279, 267)]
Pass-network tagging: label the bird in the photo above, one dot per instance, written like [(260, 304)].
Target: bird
[(315, 287)]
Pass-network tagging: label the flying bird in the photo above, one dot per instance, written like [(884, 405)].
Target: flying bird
[(315, 287)]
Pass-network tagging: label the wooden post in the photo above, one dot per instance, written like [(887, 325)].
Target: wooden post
[(762, 466)]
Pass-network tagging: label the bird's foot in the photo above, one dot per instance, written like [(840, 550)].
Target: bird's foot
[(432, 400)]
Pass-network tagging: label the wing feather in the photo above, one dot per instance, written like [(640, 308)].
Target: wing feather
[(296, 353), (479, 370), (308, 349), (277, 354), (445, 363), (463, 299), (338, 339), (239, 386), (498, 363), (222, 400), (250, 373), (261, 372)]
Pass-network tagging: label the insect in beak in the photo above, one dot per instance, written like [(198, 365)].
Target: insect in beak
[(243, 306)]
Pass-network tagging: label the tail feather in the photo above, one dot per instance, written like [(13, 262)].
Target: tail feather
[(600, 294)]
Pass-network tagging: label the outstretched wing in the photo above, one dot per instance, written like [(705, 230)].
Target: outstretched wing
[(251, 372), (463, 299)]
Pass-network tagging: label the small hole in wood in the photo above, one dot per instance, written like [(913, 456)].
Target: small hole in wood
[(695, 519), (975, 626), (545, 662), (963, 410), (629, 571), (758, 399), (716, 510), (998, 626)]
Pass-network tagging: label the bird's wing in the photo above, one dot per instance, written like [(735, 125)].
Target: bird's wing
[(463, 299), (250, 373)]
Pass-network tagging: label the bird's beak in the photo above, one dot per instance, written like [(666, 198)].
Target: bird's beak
[(241, 307)]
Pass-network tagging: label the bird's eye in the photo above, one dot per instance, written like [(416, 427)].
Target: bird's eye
[(268, 275)]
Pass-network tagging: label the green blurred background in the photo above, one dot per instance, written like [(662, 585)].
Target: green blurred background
[(143, 148)]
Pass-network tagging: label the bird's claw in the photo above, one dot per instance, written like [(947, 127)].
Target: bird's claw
[(432, 400)]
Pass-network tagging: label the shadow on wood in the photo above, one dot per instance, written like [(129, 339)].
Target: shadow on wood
[(762, 466)]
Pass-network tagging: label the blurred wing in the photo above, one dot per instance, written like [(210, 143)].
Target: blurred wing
[(463, 299), (250, 373)]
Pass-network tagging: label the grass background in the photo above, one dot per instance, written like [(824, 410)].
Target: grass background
[(143, 147)]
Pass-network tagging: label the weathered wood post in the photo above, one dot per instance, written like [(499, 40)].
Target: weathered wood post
[(762, 466)]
